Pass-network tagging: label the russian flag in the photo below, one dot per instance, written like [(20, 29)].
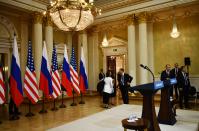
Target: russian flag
[(83, 85), (45, 82), (15, 76), (66, 80)]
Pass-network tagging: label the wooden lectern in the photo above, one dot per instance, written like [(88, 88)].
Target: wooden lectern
[(148, 110), (166, 115)]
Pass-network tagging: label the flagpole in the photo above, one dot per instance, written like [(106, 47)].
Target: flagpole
[(43, 111), (29, 114), (62, 101), (73, 104), (81, 101), (54, 106)]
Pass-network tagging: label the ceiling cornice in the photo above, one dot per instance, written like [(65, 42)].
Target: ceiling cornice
[(26, 4), (148, 6)]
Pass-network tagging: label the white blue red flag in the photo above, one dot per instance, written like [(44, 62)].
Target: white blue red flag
[(15, 76), (66, 78), (73, 73), (2, 87), (55, 75), (45, 82), (30, 81), (83, 83)]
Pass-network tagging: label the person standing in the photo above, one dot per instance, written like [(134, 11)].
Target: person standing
[(183, 85), (101, 75), (166, 75), (124, 81), (108, 89), (174, 73)]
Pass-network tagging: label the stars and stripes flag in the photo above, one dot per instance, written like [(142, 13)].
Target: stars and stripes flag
[(45, 82), (30, 81), (73, 73), (83, 83), (15, 76), (2, 87), (66, 78), (55, 75)]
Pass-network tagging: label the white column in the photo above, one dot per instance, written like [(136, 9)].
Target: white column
[(143, 48), (84, 42), (93, 60), (69, 43), (23, 47), (131, 50), (150, 49), (37, 42), (49, 37)]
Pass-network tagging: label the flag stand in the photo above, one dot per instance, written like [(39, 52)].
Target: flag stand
[(81, 101), (62, 101), (29, 114), (73, 104), (54, 106), (43, 111)]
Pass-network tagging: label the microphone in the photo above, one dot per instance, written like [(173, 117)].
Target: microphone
[(147, 68), (141, 65)]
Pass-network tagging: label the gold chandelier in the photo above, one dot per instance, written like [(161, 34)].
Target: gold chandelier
[(72, 15)]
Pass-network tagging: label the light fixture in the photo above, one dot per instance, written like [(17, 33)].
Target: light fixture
[(105, 41), (72, 15), (175, 33)]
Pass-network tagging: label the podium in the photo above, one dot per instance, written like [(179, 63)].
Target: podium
[(166, 114), (148, 109)]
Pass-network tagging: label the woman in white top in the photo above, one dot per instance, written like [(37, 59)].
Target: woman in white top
[(108, 89)]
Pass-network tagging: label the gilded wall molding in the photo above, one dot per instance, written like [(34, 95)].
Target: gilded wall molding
[(37, 18), (115, 25)]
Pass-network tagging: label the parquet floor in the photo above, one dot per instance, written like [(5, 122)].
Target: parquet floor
[(41, 122)]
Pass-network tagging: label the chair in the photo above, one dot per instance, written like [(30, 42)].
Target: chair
[(193, 94)]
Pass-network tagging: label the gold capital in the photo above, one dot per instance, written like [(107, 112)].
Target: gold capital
[(144, 17), (37, 18), (131, 19), (48, 20)]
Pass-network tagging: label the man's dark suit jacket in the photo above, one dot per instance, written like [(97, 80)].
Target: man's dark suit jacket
[(101, 76), (181, 80), (165, 76), (127, 79), (173, 73)]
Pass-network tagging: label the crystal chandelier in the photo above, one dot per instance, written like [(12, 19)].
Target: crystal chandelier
[(72, 15), (175, 33)]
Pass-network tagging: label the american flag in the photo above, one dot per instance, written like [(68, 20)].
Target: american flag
[(55, 75), (2, 87), (30, 82), (73, 73)]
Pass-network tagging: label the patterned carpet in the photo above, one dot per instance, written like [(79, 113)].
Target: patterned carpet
[(110, 120)]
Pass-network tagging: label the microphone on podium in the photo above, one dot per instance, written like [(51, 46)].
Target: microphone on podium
[(147, 68)]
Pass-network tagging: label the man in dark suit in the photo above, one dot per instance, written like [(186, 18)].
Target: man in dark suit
[(166, 75), (101, 75), (124, 81), (183, 85), (174, 73)]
